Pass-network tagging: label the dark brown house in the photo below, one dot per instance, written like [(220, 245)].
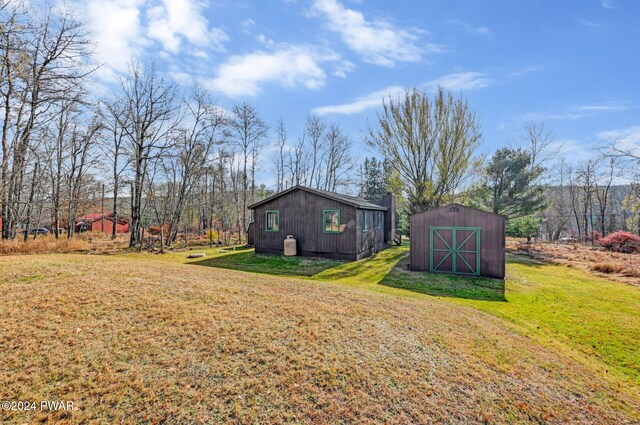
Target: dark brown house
[(324, 224), (458, 239)]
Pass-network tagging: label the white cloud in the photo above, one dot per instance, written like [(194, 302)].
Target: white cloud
[(246, 25), (377, 42), (115, 26), (576, 112), (527, 70), (626, 138), (587, 22), (123, 29), (343, 68), (470, 29), (600, 108), (372, 100), (175, 20), (570, 148), (287, 65), (608, 4), (458, 81)]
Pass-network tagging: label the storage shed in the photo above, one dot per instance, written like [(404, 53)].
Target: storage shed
[(324, 224), (458, 239)]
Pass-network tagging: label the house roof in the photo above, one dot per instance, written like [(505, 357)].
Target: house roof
[(90, 218), (345, 199)]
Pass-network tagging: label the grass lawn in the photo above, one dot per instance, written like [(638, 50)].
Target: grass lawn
[(142, 338), (565, 306)]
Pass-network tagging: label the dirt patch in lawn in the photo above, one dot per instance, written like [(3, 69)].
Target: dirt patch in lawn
[(132, 342), (611, 265)]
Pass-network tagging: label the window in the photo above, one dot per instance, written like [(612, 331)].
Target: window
[(364, 222), (331, 221), (273, 221), (377, 219)]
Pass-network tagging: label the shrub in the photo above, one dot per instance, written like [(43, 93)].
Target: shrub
[(523, 227), (624, 242), (608, 267)]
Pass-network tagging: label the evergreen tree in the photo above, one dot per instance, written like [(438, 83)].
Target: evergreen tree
[(373, 184), (510, 186), (524, 227)]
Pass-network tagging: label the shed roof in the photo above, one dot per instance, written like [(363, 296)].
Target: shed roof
[(455, 204), (346, 199)]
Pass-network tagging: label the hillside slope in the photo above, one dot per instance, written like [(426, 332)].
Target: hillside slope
[(136, 341)]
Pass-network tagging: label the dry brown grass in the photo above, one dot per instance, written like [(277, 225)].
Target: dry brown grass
[(608, 267), (182, 344), (43, 244), (85, 242), (614, 266)]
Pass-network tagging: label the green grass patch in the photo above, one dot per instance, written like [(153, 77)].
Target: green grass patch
[(599, 317)]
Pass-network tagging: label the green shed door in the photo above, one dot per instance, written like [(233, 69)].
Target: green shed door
[(454, 250)]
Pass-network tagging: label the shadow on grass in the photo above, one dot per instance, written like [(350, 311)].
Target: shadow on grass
[(249, 261), (388, 268), (525, 259), (444, 285)]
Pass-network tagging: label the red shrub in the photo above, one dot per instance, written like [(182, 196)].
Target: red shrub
[(625, 242)]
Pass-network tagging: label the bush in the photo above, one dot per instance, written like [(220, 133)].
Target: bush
[(608, 267), (523, 227), (624, 242)]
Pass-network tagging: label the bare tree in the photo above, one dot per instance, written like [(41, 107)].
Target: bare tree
[(298, 163), (151, 115), (80, 143), (539, 143), (248, 130), (42, 62), (602, 189), (315, 129), (194, 146), (585, 180), (114, 118), (337, 158), (430, 142), (557, 217), (58, 155), (280, 144)]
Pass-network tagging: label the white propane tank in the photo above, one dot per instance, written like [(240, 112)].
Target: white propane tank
[(290, 248)]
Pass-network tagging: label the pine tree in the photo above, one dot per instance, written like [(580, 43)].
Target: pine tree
[(373, 185), (510, 184)]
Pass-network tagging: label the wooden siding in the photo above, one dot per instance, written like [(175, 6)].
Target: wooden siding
[(96, 226), (492, 236), (301, 215), (372, 240)]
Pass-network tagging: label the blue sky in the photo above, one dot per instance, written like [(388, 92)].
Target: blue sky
[(572, 64)]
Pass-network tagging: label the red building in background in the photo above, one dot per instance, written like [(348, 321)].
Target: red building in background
[(95, 223)]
